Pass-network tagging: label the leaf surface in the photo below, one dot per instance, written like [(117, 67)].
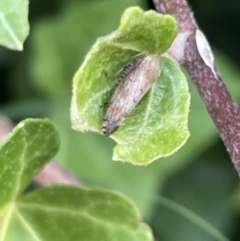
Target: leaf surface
[(14, 26), (32, 143), (65, 213), (157, 127)]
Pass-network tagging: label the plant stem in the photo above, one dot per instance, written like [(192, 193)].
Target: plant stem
[(219, 103)]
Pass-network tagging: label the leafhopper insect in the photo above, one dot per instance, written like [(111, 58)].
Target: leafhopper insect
[(137, 81)]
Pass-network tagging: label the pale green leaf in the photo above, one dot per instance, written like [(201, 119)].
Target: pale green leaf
[(32, 143), (65, 213), (158, 125), (14, 26), (94, 81)]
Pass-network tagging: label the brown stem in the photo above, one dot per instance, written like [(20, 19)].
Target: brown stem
[(222, 108)]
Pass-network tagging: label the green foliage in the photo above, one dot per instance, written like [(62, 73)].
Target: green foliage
[(59, 40), (57, 212), (23, 153), (89, 155), (157, 126), (71, 213), (31, 144), (64, 40), (14, 25)]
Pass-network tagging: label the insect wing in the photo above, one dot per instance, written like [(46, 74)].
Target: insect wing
[(130, 91)]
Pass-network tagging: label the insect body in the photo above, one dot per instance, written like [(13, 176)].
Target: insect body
[(135, 84)]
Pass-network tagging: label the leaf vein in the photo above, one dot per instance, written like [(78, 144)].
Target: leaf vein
[(10, 31), (28, 227), (73, 213)]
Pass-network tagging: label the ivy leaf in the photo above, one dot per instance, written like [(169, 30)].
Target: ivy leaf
[(14, 26), (58, 212), (157, 127), (72, 213), (32, 143)]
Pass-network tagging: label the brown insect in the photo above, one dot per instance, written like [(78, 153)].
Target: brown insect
[(138, 80)]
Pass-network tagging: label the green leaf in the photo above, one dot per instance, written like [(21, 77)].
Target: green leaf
[(64, 43), (94, 83), (14, 26), (64, 213), (57, 212), (133, 32), (32, 143)]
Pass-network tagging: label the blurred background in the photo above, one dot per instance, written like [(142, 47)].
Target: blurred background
[(37, 83)]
